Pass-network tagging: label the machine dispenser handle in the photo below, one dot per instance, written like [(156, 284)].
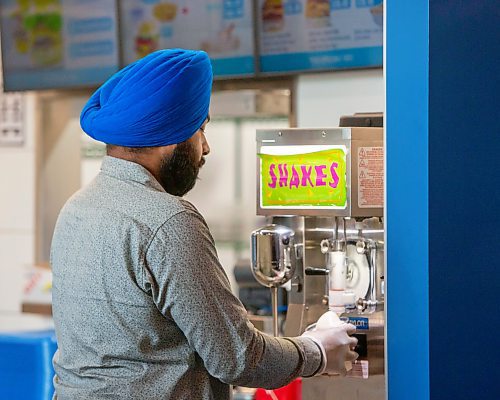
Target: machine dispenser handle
[(370, 301), (273, 260), (316, 271)]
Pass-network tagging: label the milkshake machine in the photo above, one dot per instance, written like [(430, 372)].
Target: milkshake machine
[(322, 190)]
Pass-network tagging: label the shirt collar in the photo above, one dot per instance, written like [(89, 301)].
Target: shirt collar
[(129, 171)]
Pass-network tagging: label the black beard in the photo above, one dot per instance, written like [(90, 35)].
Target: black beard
[(179, 171)]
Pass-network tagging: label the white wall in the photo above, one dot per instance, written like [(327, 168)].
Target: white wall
[(59, 162), (17, 211), (322, 98)]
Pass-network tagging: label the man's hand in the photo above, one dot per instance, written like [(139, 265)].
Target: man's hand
[(335, 343)]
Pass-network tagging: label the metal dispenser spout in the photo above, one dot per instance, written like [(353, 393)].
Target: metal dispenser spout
[(273, 260)]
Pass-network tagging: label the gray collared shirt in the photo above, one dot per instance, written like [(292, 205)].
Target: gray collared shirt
[(143, 308)]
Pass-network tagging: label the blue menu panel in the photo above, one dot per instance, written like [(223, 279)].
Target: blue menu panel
[(58, 43), (223, 28), (302, 35)]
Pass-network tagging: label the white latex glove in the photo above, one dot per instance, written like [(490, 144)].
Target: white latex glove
[(332, 337)]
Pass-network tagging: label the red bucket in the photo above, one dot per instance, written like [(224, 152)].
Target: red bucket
[(292, 391)]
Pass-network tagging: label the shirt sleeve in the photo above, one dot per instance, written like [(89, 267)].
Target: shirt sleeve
[(189, 285)]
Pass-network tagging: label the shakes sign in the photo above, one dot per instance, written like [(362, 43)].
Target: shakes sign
[(308, 180)]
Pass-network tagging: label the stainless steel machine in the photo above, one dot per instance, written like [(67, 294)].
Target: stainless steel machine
[(324, 189)]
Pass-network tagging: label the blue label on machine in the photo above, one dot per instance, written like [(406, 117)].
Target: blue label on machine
[(359, 322)]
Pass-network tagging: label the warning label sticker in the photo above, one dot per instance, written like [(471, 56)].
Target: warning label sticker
[(370, 177)]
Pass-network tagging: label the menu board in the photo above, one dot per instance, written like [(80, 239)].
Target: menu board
[(302, 35), (58, 43), (223, 28)]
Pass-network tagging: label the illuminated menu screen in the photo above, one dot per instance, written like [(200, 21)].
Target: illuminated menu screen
[(58, 43), (223, 28), (303, 35), (304, 179)]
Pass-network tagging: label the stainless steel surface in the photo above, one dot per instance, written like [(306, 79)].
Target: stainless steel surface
[(306, 300), (274, 300), (320, 232), (308, 292), (354, 386), (331, 245), (331, 388), (374, 338)]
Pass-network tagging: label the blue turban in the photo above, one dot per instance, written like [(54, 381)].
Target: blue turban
[(159, 100)]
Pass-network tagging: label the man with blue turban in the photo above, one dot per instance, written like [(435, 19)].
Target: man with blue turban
[(142, 307)]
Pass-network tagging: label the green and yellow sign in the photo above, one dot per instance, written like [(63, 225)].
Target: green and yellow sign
[(304, 180)]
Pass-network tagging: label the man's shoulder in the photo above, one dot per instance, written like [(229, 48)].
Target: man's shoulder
[(186, 218), (111, 200), (162, 206), (187, 206)]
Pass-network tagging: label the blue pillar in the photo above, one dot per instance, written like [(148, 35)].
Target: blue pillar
[(443, 198), (407, 221)]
